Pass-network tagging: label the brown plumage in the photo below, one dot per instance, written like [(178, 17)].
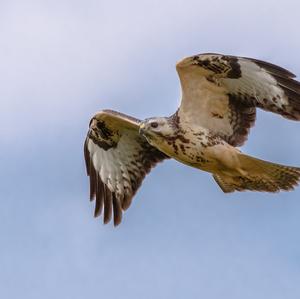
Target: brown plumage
[(220, 95), (260, 175), (133, 162)]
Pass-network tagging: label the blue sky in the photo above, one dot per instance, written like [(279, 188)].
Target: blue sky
[(61, 61)]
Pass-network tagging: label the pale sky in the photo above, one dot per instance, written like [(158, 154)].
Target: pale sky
[(61, 61)]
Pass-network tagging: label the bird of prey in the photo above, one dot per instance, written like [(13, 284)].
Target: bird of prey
[(220, 94)]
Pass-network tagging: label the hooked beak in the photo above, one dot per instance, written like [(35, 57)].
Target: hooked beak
[(142, 128)]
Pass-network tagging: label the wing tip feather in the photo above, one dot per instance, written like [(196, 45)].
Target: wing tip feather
[(142, 159)]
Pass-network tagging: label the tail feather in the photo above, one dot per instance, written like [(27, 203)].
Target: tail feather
[(227, 187), (259, 175)]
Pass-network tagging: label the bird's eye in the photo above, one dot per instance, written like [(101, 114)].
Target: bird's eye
[(154, 125)]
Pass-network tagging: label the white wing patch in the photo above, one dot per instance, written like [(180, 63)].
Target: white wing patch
[(117, 160), (256, 82), (221, 93)]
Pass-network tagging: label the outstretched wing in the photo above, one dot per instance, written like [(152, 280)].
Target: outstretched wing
[(221, 93), (117, 160)]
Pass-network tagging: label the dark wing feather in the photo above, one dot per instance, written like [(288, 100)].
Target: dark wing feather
[(117, 160), (271, 68), (221, 92), (242, 117)]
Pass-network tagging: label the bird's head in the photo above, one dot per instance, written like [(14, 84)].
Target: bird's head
[(156, 128)]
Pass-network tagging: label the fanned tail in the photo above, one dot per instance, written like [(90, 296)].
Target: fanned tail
[(259, 175)]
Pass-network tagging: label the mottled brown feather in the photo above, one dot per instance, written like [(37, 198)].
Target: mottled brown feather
[(145, 159), (248, 83), (242, 119)]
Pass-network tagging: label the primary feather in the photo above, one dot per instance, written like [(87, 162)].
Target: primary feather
[(220, 94), (117, 160)]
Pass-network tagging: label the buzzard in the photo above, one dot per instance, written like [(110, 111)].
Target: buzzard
[(220, 94)]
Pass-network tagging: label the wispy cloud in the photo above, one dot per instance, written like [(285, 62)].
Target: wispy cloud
[(62, 61)]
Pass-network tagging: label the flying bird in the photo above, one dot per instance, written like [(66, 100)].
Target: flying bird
[(220, 94)]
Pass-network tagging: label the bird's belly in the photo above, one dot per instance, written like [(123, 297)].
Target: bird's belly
[(197, 159), (202, 150), (194, 154)]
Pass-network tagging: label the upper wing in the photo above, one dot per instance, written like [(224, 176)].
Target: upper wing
[(117, 160), (222, 92)]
